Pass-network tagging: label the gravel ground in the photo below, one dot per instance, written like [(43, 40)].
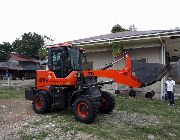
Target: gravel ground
[(14, 113), (16, 116), (18, 121)]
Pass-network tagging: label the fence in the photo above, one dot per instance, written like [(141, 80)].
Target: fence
[(16, 83)]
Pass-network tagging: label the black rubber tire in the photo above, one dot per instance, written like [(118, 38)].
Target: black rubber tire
[(91, 104), (107, 102), (46, 104), (132, 93)]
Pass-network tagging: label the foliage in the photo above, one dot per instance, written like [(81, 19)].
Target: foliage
[(29, 44), (132, 28), (177, 28), (5, 49), (117, 28), (117, 49), (42, 53)]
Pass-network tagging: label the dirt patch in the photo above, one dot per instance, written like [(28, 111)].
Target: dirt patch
[(18, 119), (14, 113), (54, 130)]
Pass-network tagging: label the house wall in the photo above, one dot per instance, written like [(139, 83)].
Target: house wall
[(100, 59), (152, 54), (29, 65)]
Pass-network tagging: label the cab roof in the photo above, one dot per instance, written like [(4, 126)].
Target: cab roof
[(65, 44)]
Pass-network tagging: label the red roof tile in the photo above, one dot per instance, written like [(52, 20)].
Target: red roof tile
[(17, 57)]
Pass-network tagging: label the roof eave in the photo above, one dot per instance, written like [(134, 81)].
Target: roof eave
[(102, 41)]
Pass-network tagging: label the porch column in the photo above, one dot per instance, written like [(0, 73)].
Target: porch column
[(163, 61)]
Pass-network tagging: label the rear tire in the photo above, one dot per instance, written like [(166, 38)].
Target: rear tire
[(41, 103), (85, 109), (107, 102)]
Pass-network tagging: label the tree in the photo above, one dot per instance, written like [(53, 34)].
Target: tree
[(117, 28), (5, 49), (132, 28), (29, 44), (42, 53)]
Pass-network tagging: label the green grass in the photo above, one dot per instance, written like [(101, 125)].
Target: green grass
[(39, 136), (8, 93), (133, 118), (122, 127)]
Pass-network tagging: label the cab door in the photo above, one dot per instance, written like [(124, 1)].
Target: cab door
[(56, 61)]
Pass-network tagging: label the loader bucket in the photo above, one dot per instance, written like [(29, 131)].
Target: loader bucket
[(149, 73)]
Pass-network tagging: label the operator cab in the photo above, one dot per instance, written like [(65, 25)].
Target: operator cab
[(63, 59)]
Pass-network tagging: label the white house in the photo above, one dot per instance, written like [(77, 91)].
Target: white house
[(156, 46)]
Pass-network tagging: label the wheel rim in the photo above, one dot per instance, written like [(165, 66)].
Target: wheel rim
[(82, 109), (104, 102), (39, 103)]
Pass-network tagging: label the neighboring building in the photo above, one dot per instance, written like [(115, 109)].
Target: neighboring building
[(23, 62), (156, 46), (6, 67), (18, 66)]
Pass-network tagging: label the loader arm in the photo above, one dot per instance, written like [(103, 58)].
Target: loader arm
[(123, 76)]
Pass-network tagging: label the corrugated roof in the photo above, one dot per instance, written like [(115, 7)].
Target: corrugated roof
[(17, 57), (3, 65), (122, 35), (9, 65)]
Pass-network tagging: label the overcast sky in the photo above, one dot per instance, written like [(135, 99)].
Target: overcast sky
[(66, 20)]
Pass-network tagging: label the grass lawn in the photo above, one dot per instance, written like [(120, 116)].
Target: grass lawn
[(133, 118), (8, 93)]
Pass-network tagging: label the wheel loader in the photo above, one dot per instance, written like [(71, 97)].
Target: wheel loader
[(65, 84)]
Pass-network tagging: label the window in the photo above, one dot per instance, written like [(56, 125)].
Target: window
[(56, 58), (75, 58)]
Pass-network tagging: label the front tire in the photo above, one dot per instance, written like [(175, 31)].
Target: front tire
[(85, 109), (107, 102), (41, 103)]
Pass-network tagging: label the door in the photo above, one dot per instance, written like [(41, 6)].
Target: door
[(55, 61)]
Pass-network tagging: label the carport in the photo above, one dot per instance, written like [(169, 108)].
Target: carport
[(172, 56)]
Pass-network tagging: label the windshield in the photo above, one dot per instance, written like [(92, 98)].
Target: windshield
[(75, 58)]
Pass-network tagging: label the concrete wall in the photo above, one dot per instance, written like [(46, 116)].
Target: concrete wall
[(153, 55), (100, 59)]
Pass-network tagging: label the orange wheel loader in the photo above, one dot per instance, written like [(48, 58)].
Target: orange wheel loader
[(65, 84)]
